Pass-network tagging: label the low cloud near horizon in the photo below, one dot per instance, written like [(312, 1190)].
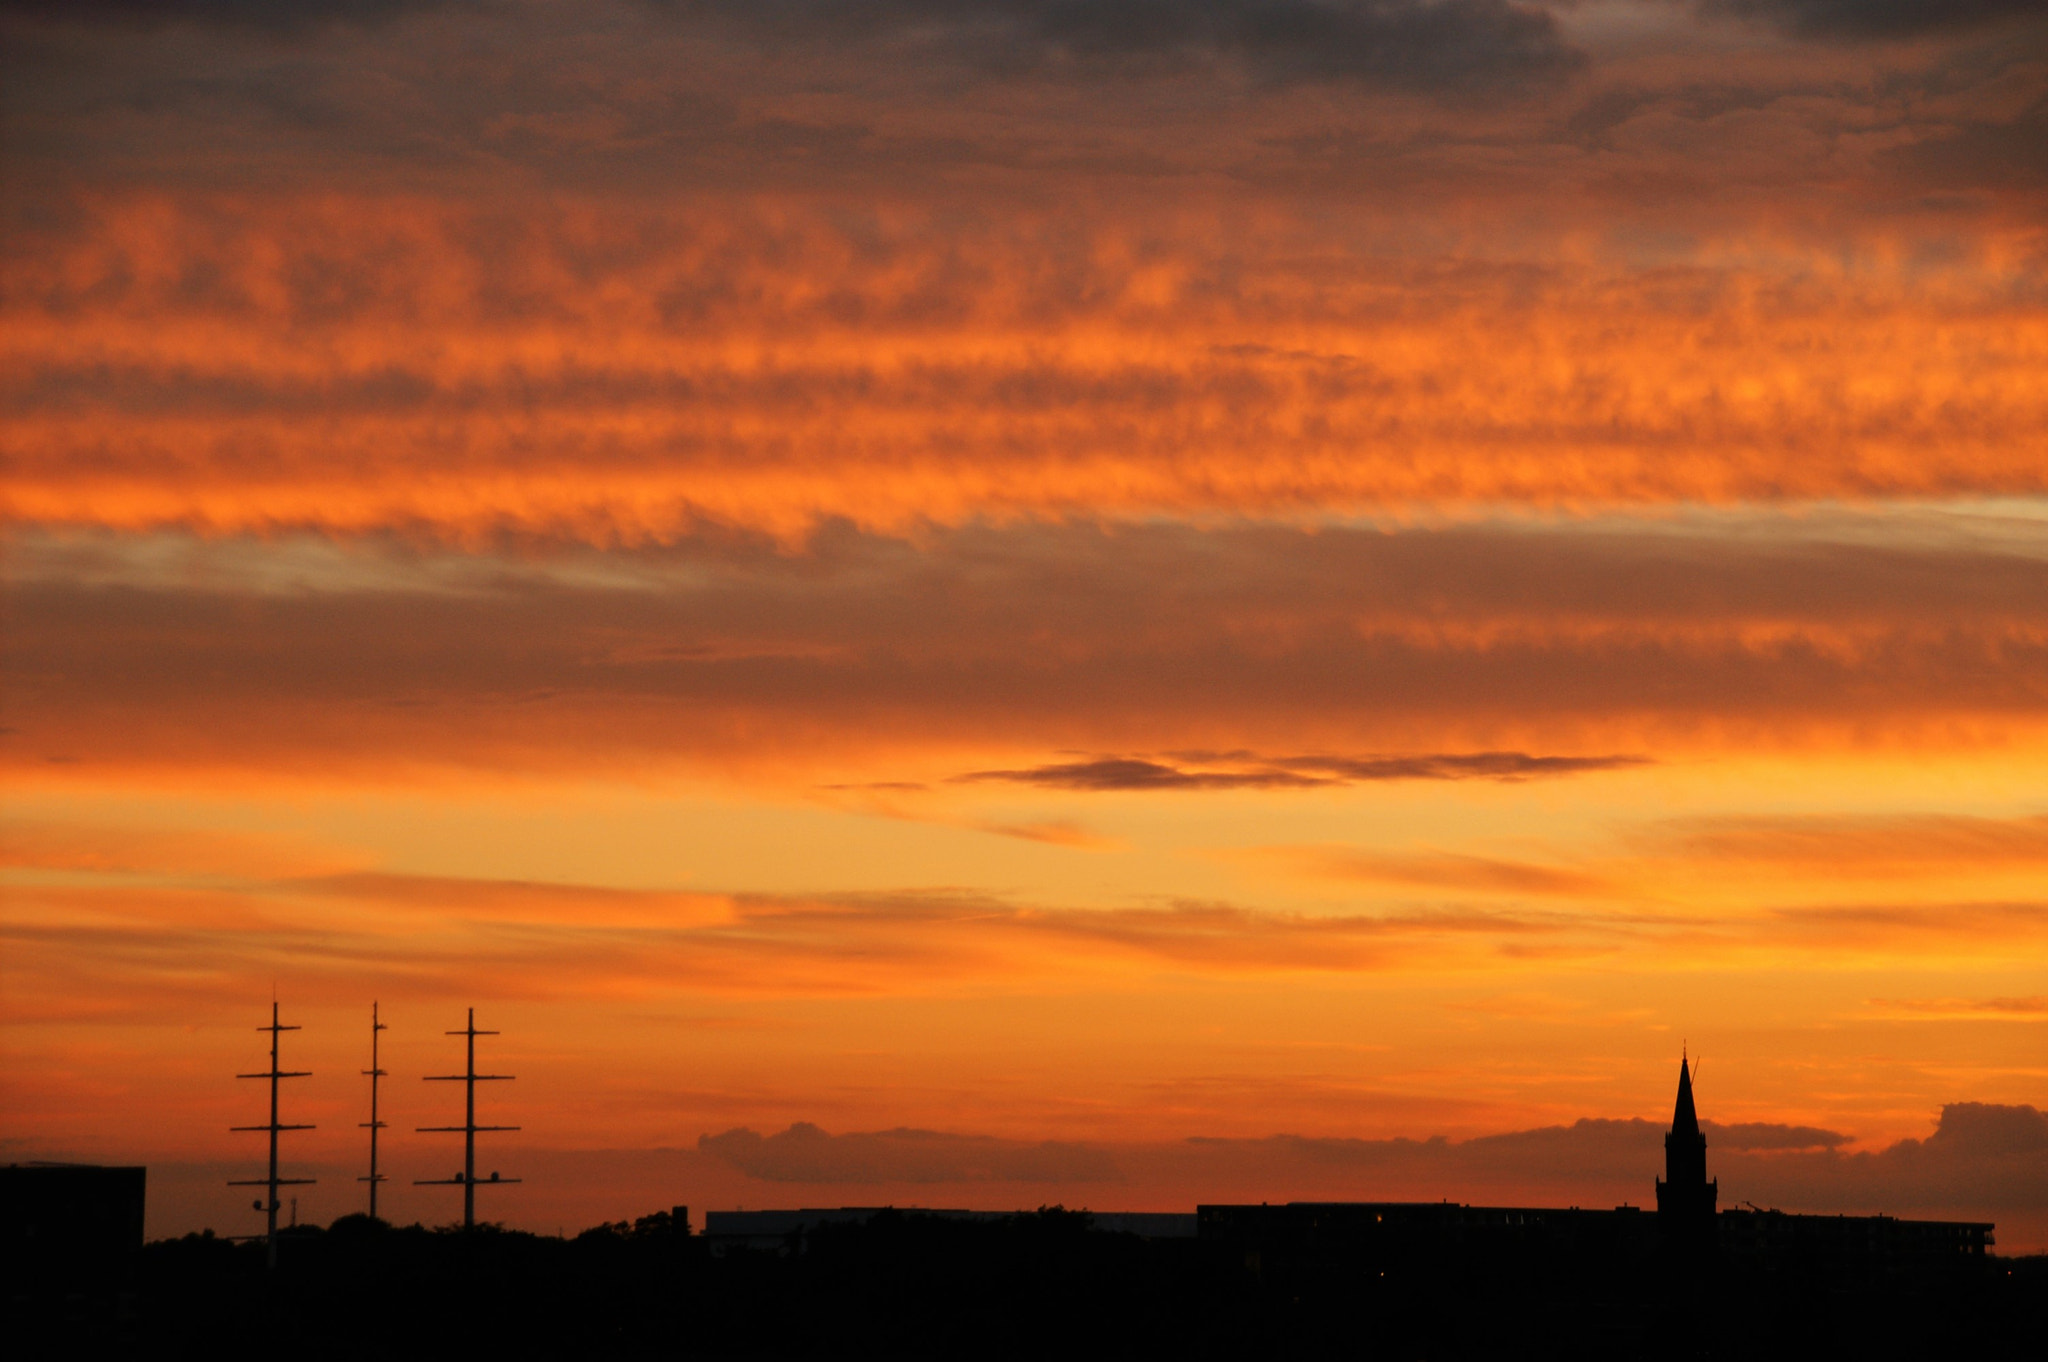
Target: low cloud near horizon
[(1983, 1160)]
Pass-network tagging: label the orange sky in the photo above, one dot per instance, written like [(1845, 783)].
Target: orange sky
[(1174, 596)]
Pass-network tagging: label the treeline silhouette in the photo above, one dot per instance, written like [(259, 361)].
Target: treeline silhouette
[(1037, 1284)]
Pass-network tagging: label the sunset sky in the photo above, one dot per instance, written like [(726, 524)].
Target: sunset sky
[(994, 602)]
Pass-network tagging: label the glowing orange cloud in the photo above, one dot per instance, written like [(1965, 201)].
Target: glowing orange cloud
[(730, 371), (540, 940)]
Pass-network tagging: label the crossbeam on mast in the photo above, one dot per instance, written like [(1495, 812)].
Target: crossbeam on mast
[(469, 1078), (270, 1204), (373, 1125)]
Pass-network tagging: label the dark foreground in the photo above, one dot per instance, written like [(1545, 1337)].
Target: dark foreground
[(1040, 1285)]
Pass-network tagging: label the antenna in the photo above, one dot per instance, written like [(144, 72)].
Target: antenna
[(466, 1179), (373, 1125), (269, 1205)]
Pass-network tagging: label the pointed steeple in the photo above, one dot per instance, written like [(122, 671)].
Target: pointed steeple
[(1685, 1195), (1684, 1119)]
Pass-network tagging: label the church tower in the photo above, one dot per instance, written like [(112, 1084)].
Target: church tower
[(1685, 1198)]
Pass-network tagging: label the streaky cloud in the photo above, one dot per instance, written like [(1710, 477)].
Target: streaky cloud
[(1876, 19), (806, 1153), (1507, 766), (1432, 46), (280, 16), (1129, 773), (1249, 772), (2032, 1008)]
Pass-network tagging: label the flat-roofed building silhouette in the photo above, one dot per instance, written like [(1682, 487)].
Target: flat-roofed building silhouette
[(789, 1229), (66, 1217)]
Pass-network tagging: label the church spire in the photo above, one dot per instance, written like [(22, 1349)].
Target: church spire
[(1685, 1195), (1684, 1119)]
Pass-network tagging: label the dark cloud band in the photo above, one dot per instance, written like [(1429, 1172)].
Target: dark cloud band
[(1422, 45), (1248, 772), (275, 15), (1980, 1155), (1318, 652), (1876, 18)]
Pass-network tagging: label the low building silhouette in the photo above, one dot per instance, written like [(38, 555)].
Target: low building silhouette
[(726, 1230), (69, 1218), (1856, 1246), (1627, 1251), (1682, 1241), (1685, 1237)]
